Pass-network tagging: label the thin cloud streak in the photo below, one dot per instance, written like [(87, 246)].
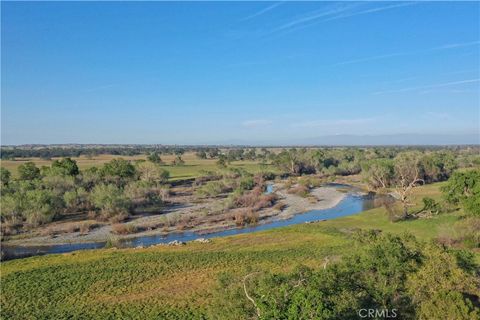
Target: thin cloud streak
[(262, 11), (398, 54), (457, 45), (371, 11), (440, 85), (315, 17), (380, 57)]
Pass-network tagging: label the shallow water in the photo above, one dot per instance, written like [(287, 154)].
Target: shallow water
[(353, 203)]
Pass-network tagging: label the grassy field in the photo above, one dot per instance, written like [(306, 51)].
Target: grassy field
[(192, 168), (182, 282)]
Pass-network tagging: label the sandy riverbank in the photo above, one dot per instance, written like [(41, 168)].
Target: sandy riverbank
[(319, 199)]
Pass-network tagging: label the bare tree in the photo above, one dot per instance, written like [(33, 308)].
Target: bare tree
[(408, 175)]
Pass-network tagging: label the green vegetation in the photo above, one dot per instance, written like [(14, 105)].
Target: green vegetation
[(110, 192), (387, 272), (310, 271), (206, 280), (464, 188)]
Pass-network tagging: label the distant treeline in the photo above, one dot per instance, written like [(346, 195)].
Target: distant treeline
[(60, 152), (237, 152)]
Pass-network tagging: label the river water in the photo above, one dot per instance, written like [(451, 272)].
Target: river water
[(353, 203)]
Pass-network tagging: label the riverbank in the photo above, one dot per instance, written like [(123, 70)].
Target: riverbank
[(321, 198)]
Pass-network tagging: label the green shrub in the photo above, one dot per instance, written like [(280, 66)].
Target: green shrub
[(109, 199), (212, 189)]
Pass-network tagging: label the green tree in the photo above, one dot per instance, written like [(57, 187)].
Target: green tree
[(109, 199), (28, 171), (441, 284), (464, 188), (385, 272), (118, 171), (154, 157), (222, 161), (41, 206), (378, 173), (66, 166), (201, 154), (4, 176), (152, 173)]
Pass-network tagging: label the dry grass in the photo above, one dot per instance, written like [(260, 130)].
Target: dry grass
[(246, 216), (121, 228), (279, 206), (83, 227), (299, 190)]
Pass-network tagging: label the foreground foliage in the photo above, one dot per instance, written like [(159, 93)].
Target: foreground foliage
[(417, 280)]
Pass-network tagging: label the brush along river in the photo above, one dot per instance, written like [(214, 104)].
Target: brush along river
[(349, 201)]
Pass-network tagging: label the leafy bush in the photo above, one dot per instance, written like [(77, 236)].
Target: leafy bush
[(247, 183), (464, 188), (386, 272), (212, 189), (109, 199), (28, 171), (431, 207)]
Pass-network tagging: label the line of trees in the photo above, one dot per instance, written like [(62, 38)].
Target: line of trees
[(381, 168), (110, 192)]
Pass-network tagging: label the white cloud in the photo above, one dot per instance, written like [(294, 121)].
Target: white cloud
[(256, 123)]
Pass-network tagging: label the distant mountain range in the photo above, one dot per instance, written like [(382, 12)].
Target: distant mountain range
[(370, 140), (330, 140)]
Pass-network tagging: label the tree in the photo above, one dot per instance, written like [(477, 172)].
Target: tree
[(154, 157), (109, 199), (378, 172), (41, 206), (118, 168), (28, 171), (407, 168), (178, 161), (66, 166), (4, 176), (440, 286), (251, 154), (201, 154), (152, 173), (438, 166), (77, 199), (464, 188), (317, 158), (288, 160), (385, 272), (222, 161), (213, 152)]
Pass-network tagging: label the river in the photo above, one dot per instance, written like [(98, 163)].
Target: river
[(351, 204)]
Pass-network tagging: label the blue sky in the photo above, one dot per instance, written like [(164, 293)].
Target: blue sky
[(241, 72)]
